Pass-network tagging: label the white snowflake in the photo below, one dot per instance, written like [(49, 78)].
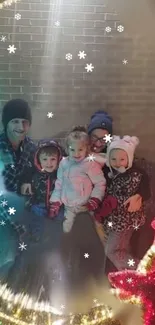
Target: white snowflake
[(82, 54), (125, 61), (86, 255), (3, 38), (50, 114), (22, 246), (110, 224), (11, 211), (89, 67), (11, 49), (131, 262), (95, 301), (6, 3), (129, 280), (17, 16), (12, 166), (62, 306), (108, 29), (136, 226), (57, 23), (91, 157), (120, 28), (107, 138), (69, 56), (2, 223), (4, 203)]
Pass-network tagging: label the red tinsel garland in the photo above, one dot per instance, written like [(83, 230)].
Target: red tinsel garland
[(132, 283), (139, 284)]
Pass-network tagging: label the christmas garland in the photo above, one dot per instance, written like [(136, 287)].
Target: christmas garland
[(12, 313), (138, 287)]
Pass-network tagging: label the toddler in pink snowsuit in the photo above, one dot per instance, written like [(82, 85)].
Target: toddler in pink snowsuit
[(80, 183)]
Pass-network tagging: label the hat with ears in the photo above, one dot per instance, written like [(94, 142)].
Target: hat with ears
[(100, 120), (127, 143)]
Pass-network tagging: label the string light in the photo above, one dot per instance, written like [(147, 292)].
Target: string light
[(98, 315), (141, 287)]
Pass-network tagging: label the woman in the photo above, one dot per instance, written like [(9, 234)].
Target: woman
[(101, 124)]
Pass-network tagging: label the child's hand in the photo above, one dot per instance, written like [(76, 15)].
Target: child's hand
[(108, 205), (39, 210), (26, 189), (134, 202), (93, 204), (54, 209)]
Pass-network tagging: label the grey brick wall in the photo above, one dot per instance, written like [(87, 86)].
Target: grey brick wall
[(40, 73)]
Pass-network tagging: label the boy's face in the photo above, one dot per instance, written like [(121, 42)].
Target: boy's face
[(118, 158), (97, 139), (77, 150), (17, 129), (49, 163)]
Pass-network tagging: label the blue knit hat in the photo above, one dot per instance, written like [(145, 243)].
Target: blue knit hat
[(100, 120)]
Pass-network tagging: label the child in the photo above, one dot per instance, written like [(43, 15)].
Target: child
[(39, 261), (80, 186), (46, 161), (123, 181), (79, 182)]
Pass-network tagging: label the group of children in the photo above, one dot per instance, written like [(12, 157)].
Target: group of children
[(63, 187)]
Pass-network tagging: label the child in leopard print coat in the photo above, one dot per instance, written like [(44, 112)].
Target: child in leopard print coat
[(124, 179)]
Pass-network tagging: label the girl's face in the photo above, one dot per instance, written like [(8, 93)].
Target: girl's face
[(77, 150), (118, 159), (17, 129), (48, 163), (97, 140)]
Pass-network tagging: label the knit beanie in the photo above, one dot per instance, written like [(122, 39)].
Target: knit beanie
[(100, 120), (16, 108), (127, 143)]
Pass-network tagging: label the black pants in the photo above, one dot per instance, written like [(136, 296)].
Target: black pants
[(82, 240)]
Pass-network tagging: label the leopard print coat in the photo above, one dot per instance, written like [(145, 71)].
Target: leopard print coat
[(122, 187)]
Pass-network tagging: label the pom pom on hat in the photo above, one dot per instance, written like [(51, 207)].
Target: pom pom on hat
[(127, 143), (100, 120)]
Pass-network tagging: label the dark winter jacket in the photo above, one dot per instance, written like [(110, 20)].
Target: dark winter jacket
[(15, 173), (122, 186)]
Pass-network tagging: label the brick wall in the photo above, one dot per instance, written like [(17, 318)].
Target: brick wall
[(40, 73)]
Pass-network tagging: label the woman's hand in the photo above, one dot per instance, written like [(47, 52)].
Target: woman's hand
[(134, 202)]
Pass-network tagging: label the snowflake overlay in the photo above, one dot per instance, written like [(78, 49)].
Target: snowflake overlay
[(17, 16), (69, 56), (120, 28), (57, 23), (3, 38), (89, 67), (125, 62), (11, 49), (82, 55), (50, 114), (108, 29)]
